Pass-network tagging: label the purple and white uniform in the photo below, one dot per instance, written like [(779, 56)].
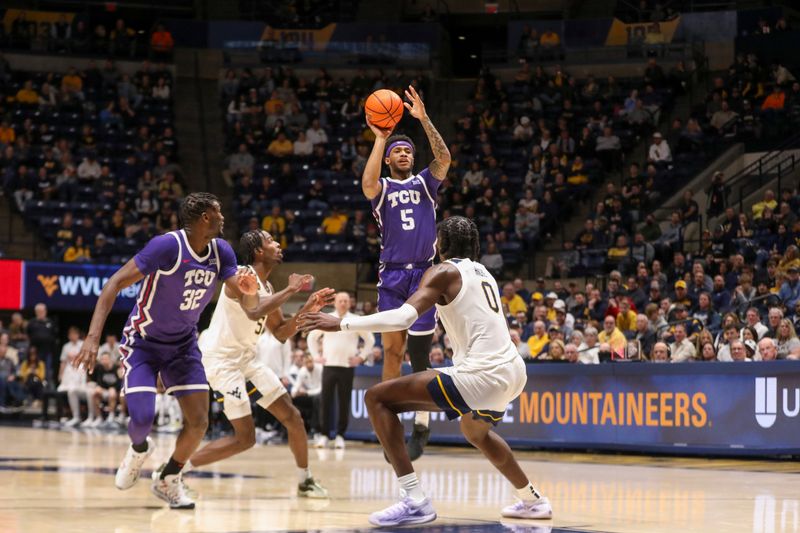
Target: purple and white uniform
[(160, 335), (406, 215)]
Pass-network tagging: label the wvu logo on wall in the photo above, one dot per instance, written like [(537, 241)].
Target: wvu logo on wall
[(767, 402), (49, 284)]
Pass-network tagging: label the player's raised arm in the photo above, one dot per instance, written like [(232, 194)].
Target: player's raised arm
[(370, 180), (122, 278), (440, 283), (441, 155)]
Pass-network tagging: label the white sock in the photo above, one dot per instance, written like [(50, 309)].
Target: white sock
[(528, 493), (187, 467), (422, 417), (410, 485), (303, 474)]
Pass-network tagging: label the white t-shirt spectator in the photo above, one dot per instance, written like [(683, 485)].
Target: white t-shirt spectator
[(660, 153), (339, 346), (317, 136), (303, 148), (72, 378), (308, 381), (682, 351), (89, 169)]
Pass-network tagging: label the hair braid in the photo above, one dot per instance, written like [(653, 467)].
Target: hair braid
[(459, 237), (248, 244), (194, 205)]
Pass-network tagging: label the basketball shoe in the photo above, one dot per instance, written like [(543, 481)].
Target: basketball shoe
[(131, 467), (406, 511), (310, 488), (171, 490), (539, 509), (157, 474)]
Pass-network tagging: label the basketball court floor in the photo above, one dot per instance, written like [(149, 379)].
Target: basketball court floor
[(62, 481)]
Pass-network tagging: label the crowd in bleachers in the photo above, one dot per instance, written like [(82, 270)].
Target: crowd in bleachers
[(89, 157), (296, 149), (81, 34)]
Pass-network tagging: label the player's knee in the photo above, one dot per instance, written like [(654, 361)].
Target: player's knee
[(247, 438), (197, 422), (293, 419), (373, 398)]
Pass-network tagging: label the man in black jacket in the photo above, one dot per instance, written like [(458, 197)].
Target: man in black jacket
[(43, 333)]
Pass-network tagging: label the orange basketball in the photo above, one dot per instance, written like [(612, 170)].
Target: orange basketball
[(384, 109)]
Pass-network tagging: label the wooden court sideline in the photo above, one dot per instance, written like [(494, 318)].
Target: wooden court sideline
[(52, 480)]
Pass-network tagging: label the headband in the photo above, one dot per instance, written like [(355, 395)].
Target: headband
[(398, 143)]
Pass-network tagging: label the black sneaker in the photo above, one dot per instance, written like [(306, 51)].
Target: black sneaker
[(416, 444)]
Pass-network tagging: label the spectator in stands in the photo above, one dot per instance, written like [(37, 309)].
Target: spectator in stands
[(659, 152), (281, 147), (316, 134), (607, 147), (122, 40), (302, 146), (43, 333), (27, 95), (161, 44), (308, 388), (788, 345), (612, 336), (335, 223), (767, 349), (682, 349), (626, 320), (32, 374), (538, 343), (644, 334), (512, 300), (73, 380), (768, 202), (722, 119), (77, 252), (739, 351), (161, 91), (492, 259)]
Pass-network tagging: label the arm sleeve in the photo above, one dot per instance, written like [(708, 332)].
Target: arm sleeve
[(160, 253), (430, 182), (394, 320), (227, 257)]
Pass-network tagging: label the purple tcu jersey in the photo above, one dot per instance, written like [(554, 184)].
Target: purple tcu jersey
[(177, 286), (406, 215)]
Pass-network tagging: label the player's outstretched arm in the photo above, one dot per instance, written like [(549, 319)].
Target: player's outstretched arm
[(441, 155), (370, 180), (440, 283), (267, 304), (122, 278), (283, 328)]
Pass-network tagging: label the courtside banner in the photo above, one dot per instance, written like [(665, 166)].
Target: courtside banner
[(70, 286), (724, 408)]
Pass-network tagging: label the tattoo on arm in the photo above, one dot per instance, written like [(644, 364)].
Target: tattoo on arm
[(441, 154)]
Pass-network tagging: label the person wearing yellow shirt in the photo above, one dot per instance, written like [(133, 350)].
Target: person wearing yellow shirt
[(768, 201), (613, 336), (78, 252), (549, 39), (7, 133), (539, 340), (513, 300), (550, 299), (626, 318), (71, 82), (280, 147), (27, 95), (334, 223), (275, 224)]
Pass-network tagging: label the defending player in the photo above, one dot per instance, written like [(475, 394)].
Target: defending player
[(405, 207), (229, 356), (180, 270), (486, 375)]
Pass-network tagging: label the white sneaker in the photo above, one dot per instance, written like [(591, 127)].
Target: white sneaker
[(97, 422), (539, 509), (321, 442), (338, 442), (72, 422), (88, 423), (171, 490), (131, 467)]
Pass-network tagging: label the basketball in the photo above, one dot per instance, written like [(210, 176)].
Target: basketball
[(384, 109)]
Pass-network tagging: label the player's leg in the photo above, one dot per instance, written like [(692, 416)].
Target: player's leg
[(243, 438), (287, 414), (384, 402), (532, 504), (394, 347), (419, 349)]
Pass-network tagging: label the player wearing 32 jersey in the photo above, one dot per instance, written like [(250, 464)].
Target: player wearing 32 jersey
[(180, 271), (487, 373), (405, 207), (229, 357)]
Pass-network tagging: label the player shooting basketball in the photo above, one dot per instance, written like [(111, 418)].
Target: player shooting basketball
[(404, 206)]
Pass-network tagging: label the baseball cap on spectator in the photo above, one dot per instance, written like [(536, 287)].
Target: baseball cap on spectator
[(680, 307), (680, 284), (524, 121), (559, 305), (750, 346), (536, 296), (551, 296), (553, 327), (657, 135)]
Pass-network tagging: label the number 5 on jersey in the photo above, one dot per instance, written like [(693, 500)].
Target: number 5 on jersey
[(407, 216)]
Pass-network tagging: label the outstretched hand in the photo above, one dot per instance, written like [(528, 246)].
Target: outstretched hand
[(321, 321), (317, 301), (416, 108), (298, 281), (247, 282), (88, 355)]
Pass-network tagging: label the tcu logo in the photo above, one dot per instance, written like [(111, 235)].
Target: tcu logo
[(192, 297), (403, 197)]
